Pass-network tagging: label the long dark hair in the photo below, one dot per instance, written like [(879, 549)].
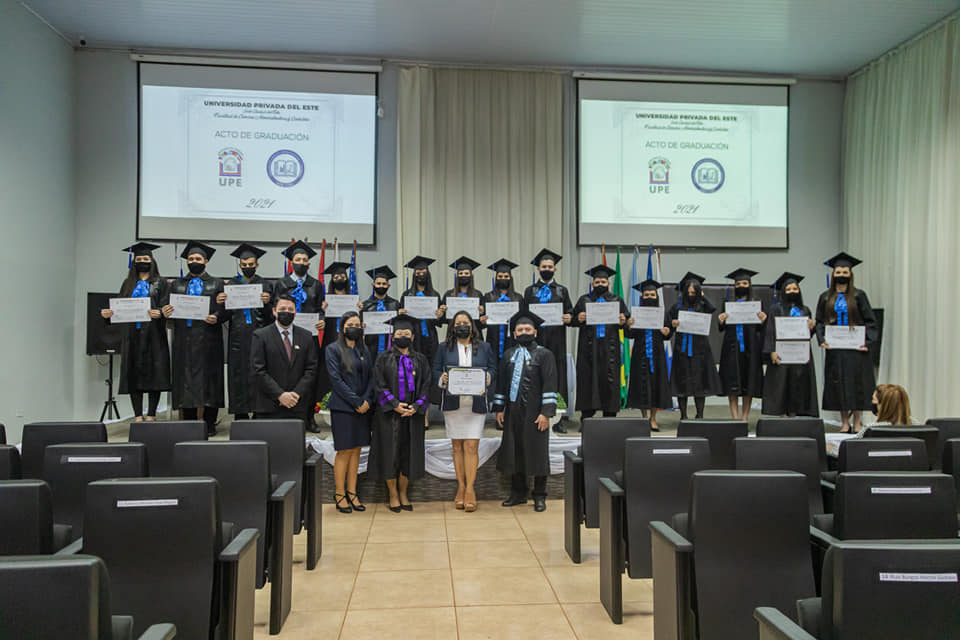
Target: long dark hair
[(133, 277), (853, 313), (781, 298), (510, 291), (472, 290), (428, 289), (345, 356), (697, 289), (474, 334)]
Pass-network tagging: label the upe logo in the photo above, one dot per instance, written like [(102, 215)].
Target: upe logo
[(708, 175), (231, 167), (659, 175), (285, 168)]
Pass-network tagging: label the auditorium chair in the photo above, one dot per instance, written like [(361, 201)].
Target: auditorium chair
[(159, 438), (169, 555), (948, 428), (249, 499), (9, 463), (38, 435), (26, 519), (600, 455), (745, 544), (951, 463), (56, 597), (654, 485), (874, 454), (799, 427), (929, 435), (877, 590), (290, 460), (3, 433), (783, 454), (719, 433)]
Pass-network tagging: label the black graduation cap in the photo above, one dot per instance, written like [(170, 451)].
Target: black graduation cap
[(741, 273), (647, 285), (197, 247), (141, 248), (463, 262), (842, 259), (525, 318), (689, 275), (548, 254), (298, 247), (399, 322), (337, 268), (786, 279), (419, 262), (381, 272), (246, 251), (502, 266), (600, 271)]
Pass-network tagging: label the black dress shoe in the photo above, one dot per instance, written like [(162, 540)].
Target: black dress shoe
[(312, 427), (395, 509), (539, 504), (559, 428), (406, 507), (513, 501), (338, 498), (356, 507)]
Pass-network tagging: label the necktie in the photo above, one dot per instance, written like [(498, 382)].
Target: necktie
[(601, 329), (194, 288), (686, 343), (142, 290), (649, 348), (299, 295), (287, 345), (840, 307), (381, 339), (544, 294), (423, 323), (503, 329), (520, 356)]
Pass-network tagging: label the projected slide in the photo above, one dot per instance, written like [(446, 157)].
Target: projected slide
[(683, 172), (227, 163)]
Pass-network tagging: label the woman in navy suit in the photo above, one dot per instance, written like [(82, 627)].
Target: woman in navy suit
[(351, 377), (464, 415)]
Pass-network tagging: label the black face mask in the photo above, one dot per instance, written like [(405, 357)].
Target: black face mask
[(142, 267), (248, 272), (462, 331), (196, 268), (339, 285), (875, 408), (503, 284), (545, 275), (841, 279), (464, 281), (692, 299), (300, 269), (649, 302), (741, 292), (525, 339), (792, 298), (381, 291), (285, 318), (600, 290), (421, 279), (403, 342), (353, 333)]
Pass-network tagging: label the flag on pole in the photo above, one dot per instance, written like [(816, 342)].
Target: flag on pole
[(624, 342), (603, 254), (653, 271), (635, 278), (323, 287), (353, 270)]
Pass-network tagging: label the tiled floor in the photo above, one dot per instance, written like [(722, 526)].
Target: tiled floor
[(441, 573)]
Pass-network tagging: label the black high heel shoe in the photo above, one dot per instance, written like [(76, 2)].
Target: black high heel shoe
[(337, 498), (356, 507)]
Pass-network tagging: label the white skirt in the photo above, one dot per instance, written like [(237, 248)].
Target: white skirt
[(463, 423)]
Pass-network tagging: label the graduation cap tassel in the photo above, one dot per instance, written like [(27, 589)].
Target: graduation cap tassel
[(129, 259), (176, 256)]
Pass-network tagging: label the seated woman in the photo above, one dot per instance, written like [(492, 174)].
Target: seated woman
[(891, 405)]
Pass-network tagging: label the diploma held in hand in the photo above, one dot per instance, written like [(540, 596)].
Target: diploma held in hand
[(603, 313), (129, 310), (466, 381), (793, 351), (456, 304), (647, 317), (694, 322), (551, 312), (792, 328), (307, 321), (189, 307), (422, 307), (743, 312), (377, 322), (500, 312), (243, 296), (845, 337), (337, 305)]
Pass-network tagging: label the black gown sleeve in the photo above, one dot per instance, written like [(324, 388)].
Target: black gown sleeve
[(578, 308), (384, 398), (821, 318), (422, 386), (500, 383), (548, 388)]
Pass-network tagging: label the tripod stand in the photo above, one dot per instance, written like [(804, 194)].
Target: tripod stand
[(110, 405)]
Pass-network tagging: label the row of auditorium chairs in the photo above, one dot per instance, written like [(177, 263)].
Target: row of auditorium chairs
[(264, 483)]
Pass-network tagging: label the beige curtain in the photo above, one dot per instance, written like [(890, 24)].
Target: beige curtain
[(901, 176), (480, 167)]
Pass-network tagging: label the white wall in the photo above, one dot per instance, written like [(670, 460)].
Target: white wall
[(36, 221)]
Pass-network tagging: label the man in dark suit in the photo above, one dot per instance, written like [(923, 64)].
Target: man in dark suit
[(284, 360)]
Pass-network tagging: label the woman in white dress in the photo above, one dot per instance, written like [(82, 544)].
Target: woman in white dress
[(464, 415)]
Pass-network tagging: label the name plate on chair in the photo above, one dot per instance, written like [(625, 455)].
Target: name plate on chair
[(889, 454), (139, 504), (905, 491), (918, 577), (93, 459), (671, 451)]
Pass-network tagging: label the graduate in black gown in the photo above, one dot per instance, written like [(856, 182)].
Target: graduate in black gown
[(241, 386), (788, 389), (649, 379), (694, 372), (848, 378), (741, 352), (198, 344), (546, 290), (598, 349), (144, 354), (425, 341), (498, 335), (379, 301), (401, 385), (338, 285), (464, 287), (525, 400), (307, 293)]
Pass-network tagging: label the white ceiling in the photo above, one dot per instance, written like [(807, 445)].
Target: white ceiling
[(815, 37)]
